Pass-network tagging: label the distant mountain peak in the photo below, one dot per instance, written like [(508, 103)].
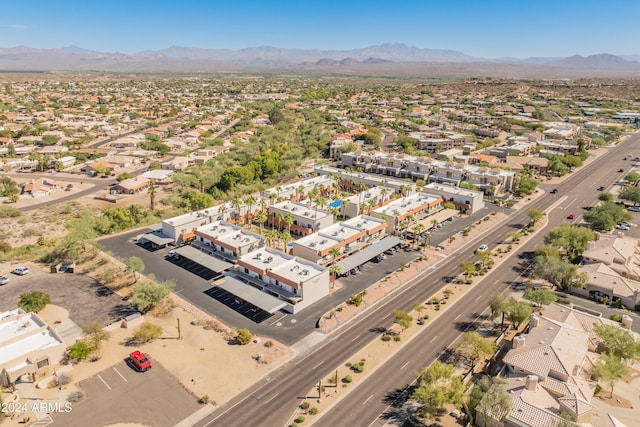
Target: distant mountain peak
[(597, 61)]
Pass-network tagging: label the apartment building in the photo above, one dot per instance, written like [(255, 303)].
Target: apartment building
[(296, 282), (226, 240), (347, 236), (306, 218), (418, 206)]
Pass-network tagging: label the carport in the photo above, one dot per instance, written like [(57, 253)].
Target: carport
[(156, 238), (251, 295), (199, 257), (440, 216), (367, 253)]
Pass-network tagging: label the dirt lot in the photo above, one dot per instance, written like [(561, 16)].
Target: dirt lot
[(86, 300)]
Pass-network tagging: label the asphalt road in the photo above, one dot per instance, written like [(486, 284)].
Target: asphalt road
[(273, 400)]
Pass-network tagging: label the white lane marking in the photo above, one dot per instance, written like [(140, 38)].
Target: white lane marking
[(118, 372), (317, 365), (355, 338), (404, 366), (433, 339), (271, 398), (105, 383), (368, 399), (479, 296), (458, 316)]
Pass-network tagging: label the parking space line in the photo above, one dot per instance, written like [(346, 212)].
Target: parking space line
[(105, 383), (121, 376)]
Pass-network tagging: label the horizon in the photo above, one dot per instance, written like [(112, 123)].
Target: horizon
[(492, 29)]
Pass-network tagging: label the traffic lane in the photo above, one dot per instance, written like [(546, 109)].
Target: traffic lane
[(369, 403), (154, 396), (244, 405)]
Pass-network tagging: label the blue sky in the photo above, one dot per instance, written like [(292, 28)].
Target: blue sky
[(481, 28)]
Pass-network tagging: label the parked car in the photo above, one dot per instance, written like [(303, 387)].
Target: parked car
[(4, 280), (172, 254), (21, 271), (634, 208), (140, 361), (627, 223), (623, 227)]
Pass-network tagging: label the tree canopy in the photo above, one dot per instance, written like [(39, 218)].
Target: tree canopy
[(573, 239), (437, 386)]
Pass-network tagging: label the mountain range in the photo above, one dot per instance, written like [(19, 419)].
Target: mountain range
[(385, 57)]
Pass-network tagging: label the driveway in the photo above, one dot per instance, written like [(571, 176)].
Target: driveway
[(86, 300), (120, 395)]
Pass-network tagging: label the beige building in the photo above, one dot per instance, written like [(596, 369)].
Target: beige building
[(27, 345)]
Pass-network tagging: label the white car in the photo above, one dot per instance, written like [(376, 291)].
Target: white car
[(21, 271), (482, 248), (4, 280)]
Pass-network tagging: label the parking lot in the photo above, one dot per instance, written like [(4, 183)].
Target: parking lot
[(154, 396), (194, 268), (86, 300), (248, 310)]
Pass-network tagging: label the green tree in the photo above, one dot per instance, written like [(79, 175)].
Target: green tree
[(605, 197), (519, 312), (630, 193), (134, 265), (147, 332), (489, 399), (573, 239), (403, 319), (632, 177), (535, 215), (606, 216), (94, 335), (335, 271), (467, 268), (79, 351), (8, 186), (499, 306), (148, 294), (34, 301), (540, 296), (619, 342), (243, 337), (558, 272), (484, 257), (474, 346), (437, 386), (609, 368)]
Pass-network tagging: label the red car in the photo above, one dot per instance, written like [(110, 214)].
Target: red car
[(571, 216), (140, 361)]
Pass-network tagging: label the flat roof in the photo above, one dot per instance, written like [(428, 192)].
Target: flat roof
[(157, 238), (367, 253), (407, 204), (302, 210), (250, 294), (205, 260), (27, 345), (21, 325)]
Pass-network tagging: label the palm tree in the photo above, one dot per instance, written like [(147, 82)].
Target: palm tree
[(300, 191), (221, 211), (285, 237), (280, 219), (289, 219), (418, 229), (269, 237), (335, 272), (237, 203), (249, 202), (335, 253), (152, 195), (363, 207), (260, 218)]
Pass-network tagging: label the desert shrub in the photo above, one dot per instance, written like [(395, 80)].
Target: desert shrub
[(268, 343), (243, 337), (75, 396), (616, 317), (347, 379), (300, 419), (64, 379), (313, 411), (304, 406), (33, 301), (147, 332), (9, 212)]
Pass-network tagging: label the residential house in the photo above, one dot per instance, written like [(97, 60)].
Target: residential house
[(134, 185), (40, 187), (28, 346)]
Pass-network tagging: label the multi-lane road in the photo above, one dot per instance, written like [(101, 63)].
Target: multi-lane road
[(272, 400)]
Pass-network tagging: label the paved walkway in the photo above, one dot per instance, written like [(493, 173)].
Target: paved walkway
[(29, 395)]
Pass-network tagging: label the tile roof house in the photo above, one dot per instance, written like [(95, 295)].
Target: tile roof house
[(40, 187), (548, 373)]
